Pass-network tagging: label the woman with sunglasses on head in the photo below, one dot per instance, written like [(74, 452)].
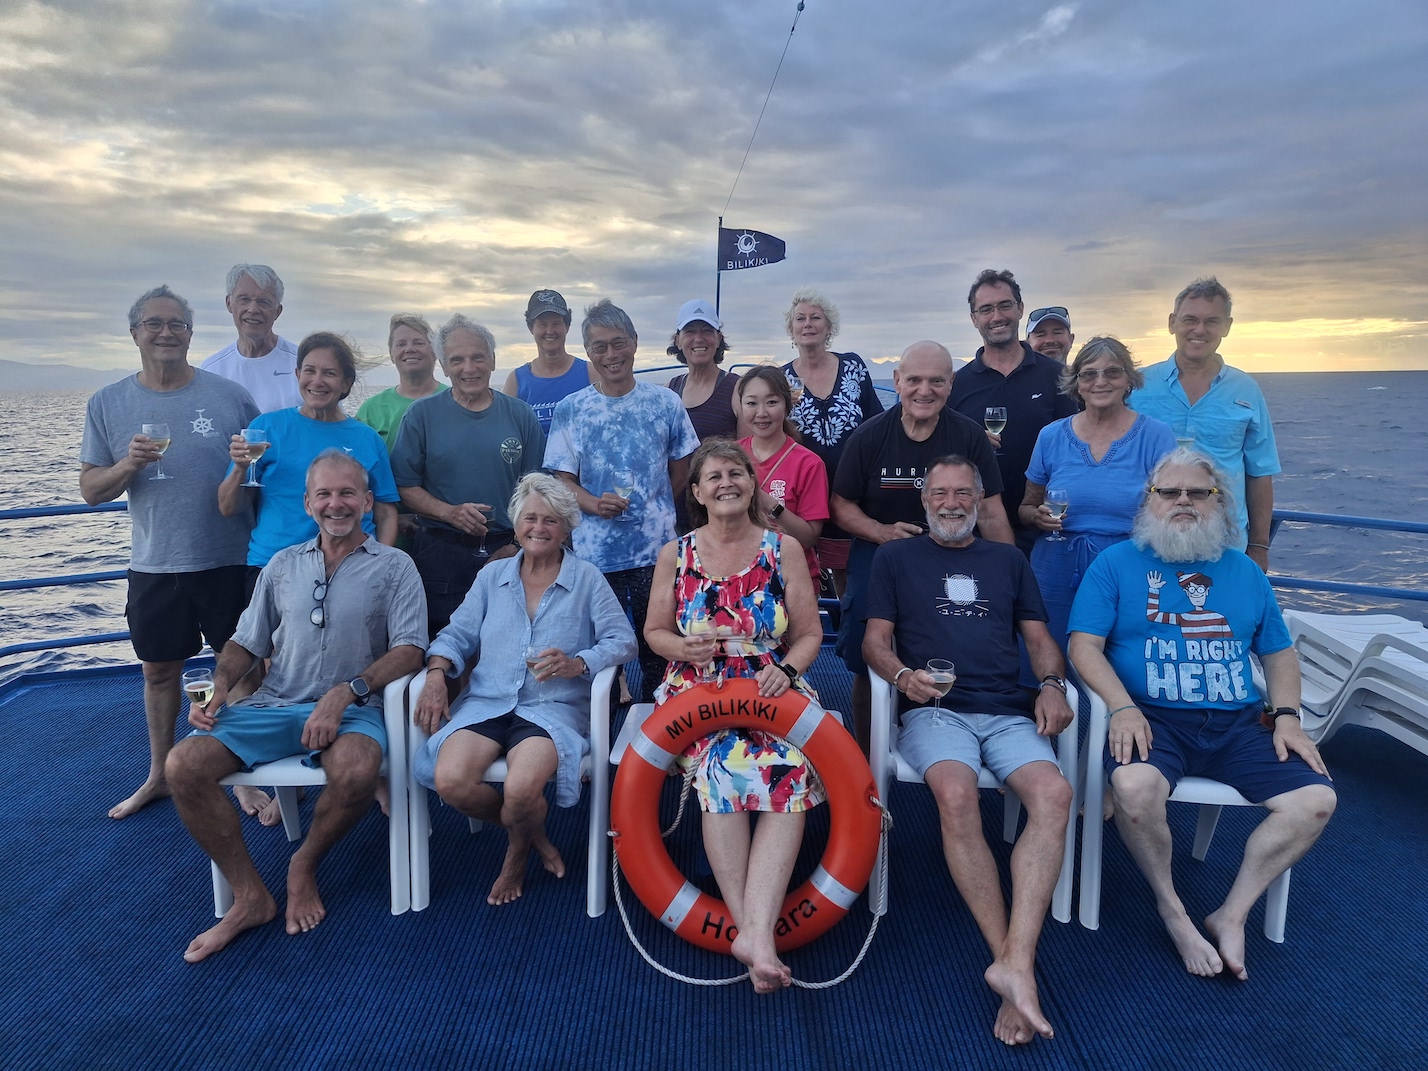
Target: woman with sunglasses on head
[(1101, 458)]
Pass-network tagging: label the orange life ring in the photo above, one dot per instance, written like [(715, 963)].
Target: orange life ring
[(854, 820)]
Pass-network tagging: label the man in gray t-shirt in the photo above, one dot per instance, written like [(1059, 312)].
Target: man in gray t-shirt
[(186, 571), (457, 458), (341, 617)]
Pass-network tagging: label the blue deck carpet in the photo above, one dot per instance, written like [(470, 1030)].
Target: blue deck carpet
[(96, 914)]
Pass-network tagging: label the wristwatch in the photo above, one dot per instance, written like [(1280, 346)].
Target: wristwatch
[(361, 691), (1292, 712), (777, 511), (1055, 681)]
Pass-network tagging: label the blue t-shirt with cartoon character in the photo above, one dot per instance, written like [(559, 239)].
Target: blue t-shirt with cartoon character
[(593, 437), (1179, 634)]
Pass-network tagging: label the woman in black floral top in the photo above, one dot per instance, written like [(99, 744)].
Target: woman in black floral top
[(837, 395)]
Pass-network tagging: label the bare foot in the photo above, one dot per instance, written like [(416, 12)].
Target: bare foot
[(384, 796), (1230, 940), (549, 855), (240, 917), (1012, 1027), (271, 813), (305, 908), (1198, 954), (767, 972), (252, 801), (144, 795), (511, 881), (1017, 988)]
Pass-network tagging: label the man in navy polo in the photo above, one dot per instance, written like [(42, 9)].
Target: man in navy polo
[(1007, 372)]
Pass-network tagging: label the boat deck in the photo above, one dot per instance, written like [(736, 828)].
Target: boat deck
[(98, 912)]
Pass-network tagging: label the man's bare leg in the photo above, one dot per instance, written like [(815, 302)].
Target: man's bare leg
[(252, 800), (351, 764), (162, 698), (1141, 794), (1035, 867), (529, 765), (1295, 821), (193, 770)]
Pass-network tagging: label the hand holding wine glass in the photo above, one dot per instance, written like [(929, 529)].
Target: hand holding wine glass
[(944, 675), (624, 488), (995, 421), (158, 435), (199, 686)]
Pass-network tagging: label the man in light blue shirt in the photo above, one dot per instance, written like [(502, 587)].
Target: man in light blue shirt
[(1217, 409)]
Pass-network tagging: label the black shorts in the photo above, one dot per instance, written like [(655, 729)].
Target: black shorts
[(508, 730), (171, 614), (250, 582)]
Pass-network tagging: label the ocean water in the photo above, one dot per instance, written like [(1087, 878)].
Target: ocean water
[(1349, 443)]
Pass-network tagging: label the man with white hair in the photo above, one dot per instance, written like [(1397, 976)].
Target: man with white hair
[(1172, 662), (258, 359), (950, 595)]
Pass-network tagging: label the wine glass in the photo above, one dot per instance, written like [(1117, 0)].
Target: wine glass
[(257, 440), (624, 487), (1058, 500), (944, 675), (995, 420), (159, 433), (796, 395), (198, 686), (533, 653), (481, 552)]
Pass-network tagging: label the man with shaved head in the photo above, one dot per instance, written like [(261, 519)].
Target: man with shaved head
[(258, 359), (877, 490)]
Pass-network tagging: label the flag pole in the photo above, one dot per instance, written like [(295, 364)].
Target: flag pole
[(718, 275)]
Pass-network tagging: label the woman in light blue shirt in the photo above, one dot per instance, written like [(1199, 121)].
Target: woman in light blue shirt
[(1101, 457), (547, 601)]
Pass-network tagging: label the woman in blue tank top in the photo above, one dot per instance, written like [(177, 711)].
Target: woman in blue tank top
[(554, 373)]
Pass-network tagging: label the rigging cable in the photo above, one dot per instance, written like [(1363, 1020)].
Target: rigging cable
[(796, 16)]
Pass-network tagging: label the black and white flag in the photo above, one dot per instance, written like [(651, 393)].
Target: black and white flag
[(747, 249)]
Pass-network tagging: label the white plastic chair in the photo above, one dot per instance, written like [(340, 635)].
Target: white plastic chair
[(285, 776), (1387, 691), (1212, 796), (888, 761), (594, 767)]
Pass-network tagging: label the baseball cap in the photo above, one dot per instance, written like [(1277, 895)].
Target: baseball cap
[(698, 309), (1051, 312), (544, 301)]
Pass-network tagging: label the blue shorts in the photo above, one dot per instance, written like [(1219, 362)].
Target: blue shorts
[(1231, 746), (1003, 743), (266, 734)]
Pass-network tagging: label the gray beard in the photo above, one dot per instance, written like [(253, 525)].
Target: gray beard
[(1205, 541), (949, 531)]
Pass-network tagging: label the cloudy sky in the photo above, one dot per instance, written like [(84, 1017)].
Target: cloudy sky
[(451, 155)]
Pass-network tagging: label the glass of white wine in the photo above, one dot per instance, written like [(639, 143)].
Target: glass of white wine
[(995, 419), (257, 440), (796, 394), (624, 487), (198, 686), (944, 675), (533, 653), (1058, 501), (159, 433)]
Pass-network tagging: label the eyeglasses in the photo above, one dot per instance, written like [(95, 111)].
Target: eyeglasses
[(1171, 494), (1214, 323), (599, 349), (154, 327), (1050, 310), (1110, 375), (319, 615), (1000, 306)]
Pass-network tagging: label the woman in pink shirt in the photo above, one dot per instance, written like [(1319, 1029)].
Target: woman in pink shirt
[(793, 482)]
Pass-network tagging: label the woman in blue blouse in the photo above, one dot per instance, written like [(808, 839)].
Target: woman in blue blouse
[(1101, 457), (537, 716)]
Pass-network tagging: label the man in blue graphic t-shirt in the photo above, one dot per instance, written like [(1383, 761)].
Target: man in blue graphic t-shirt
[(1162, 629)]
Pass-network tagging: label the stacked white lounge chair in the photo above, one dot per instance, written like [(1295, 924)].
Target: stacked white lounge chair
[(1365, 669)]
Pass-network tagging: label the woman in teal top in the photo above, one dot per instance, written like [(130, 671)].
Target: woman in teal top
[(326, 371), (1101, 457)]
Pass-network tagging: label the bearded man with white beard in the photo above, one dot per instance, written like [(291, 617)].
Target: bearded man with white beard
[(1172, 663), (952, 595)]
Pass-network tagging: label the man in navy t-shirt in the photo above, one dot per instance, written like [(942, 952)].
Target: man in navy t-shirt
[(950, 595), (1162, 628)]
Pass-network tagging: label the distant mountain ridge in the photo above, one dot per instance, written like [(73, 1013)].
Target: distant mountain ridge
[(16, 375)]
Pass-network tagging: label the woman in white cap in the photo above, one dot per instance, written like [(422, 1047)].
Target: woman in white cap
[(706, 389)]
